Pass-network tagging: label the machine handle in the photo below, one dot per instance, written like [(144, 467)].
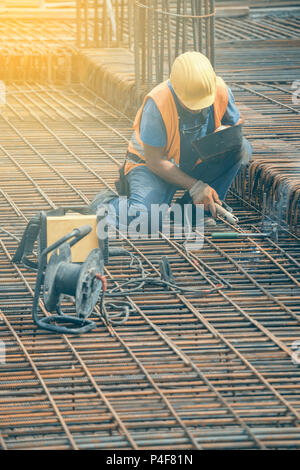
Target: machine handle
[(80, 233), (77, 233)]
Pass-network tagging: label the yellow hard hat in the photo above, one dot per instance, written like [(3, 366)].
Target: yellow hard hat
[(194, 80)]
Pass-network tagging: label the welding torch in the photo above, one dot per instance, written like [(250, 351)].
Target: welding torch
[(233, 235)]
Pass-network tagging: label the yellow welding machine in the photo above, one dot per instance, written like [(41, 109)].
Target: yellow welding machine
[(58, 226), (48, 227)]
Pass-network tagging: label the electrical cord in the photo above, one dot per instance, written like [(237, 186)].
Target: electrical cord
[(119, 318), (135, 286), (162, 283)]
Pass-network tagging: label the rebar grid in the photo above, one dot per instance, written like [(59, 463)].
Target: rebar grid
[(49, 31), (226, 29), (37, 50), (47, 53), (251, 28), (273, 125), (183, 372)]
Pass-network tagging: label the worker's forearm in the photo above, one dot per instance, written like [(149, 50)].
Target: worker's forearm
[(171, 173)]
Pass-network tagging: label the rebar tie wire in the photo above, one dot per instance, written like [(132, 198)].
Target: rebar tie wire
[(164, 12)]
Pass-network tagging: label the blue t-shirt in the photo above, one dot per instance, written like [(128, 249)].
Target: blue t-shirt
[(192, 126)]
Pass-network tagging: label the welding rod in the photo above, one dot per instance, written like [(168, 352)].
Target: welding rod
[(232, 235)]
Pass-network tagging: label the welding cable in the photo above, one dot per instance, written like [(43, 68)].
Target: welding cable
[(116, 312), (161, 283), (144, 279), (119, 291), (134, 260), (168, 282)]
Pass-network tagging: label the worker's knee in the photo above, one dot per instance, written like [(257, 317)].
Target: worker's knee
[(148, 213), (148, 205), (151, 197)]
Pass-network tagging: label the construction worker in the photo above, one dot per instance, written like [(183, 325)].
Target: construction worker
[(160, 159)]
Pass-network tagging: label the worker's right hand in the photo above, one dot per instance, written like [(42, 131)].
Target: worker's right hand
[(202, 193)]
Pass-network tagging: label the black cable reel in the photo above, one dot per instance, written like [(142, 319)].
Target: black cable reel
[(60, 277)]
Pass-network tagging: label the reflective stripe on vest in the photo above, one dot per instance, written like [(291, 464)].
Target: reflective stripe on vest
[(164, 100)]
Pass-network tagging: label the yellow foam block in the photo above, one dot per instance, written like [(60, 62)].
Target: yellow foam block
[(57, 227)]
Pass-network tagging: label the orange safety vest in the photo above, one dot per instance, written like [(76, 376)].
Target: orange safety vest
[(164, 100)]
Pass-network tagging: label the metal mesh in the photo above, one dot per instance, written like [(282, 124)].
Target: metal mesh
[(184, 372)]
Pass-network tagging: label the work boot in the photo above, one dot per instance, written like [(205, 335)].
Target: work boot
[(102, 198)]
